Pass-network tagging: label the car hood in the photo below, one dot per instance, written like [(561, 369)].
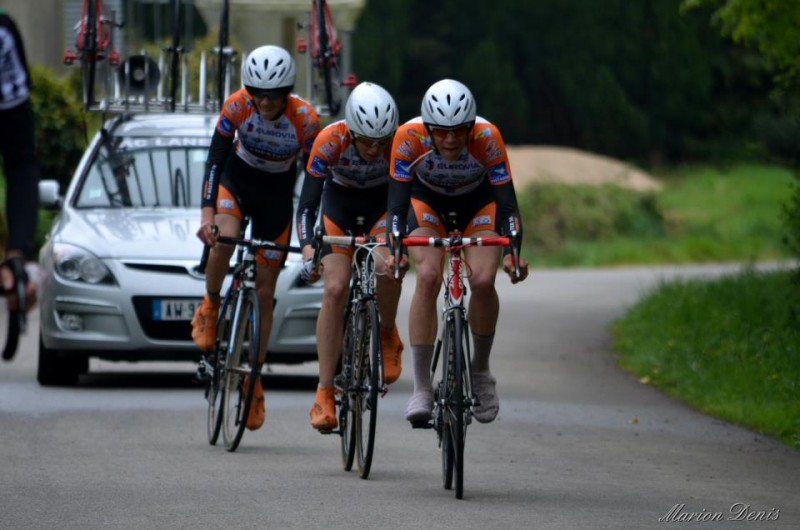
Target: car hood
[(162, 233)]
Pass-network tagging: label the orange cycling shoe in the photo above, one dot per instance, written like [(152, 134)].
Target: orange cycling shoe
[(392, 349), (255, 418), (323, 412), (204, 324)]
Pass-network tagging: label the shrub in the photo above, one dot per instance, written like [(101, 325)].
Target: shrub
[(60, 137), (557, 213)]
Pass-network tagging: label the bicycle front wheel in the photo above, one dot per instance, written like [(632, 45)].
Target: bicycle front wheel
[(455, 405), (345, 388), (216, 361), (241, 361), (367, 381)]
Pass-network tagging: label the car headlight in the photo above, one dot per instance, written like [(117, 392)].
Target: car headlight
[(78, 265)]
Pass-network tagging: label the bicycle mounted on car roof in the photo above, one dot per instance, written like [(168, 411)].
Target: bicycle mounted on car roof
[(137, 84)]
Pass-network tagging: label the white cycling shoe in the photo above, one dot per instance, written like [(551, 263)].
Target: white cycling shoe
[(484, 386)]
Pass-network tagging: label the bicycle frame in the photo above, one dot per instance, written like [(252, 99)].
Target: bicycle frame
[(361, 381), (452, 408)]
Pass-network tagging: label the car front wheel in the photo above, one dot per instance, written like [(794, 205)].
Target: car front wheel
[(56, 369)]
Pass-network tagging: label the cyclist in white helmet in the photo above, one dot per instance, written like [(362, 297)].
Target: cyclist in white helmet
[(348, 171), (449, 159), (273, 128)]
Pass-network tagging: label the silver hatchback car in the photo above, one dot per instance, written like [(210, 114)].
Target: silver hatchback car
[(121, 257)]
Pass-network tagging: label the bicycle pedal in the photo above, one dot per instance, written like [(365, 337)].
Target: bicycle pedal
[(421, 424)]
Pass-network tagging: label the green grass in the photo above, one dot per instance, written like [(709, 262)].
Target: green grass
[(701, 215), (730, 348)]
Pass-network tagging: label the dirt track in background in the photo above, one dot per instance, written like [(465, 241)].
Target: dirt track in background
[(572, 166)]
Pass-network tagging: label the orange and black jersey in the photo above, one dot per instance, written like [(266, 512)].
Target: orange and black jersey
[(271, 147), (484, 159), (334, 161)]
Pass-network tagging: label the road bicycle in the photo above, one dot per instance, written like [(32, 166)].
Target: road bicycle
[(234, 359), (359, 381), (93, 46), (17, 317), (452, 357), (325, 76)]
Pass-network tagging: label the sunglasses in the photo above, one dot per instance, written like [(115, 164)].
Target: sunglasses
[(369, 143), (442, 132), (272, 95)]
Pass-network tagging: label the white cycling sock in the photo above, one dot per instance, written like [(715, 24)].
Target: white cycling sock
[(421, 356), (481, 348)]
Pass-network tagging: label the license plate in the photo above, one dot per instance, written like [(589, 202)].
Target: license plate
[(174, 309)]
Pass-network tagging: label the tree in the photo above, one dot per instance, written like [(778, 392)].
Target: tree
[(773, 28)]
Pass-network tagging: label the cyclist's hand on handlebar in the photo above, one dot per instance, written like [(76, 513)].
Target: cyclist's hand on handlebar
[(309, 273), (207, 233), (508, 268), (34, 278), (401, 268)]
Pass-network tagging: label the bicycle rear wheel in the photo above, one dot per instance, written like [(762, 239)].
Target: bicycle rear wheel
[(327, 59), (242, 360), (216, 360), (347, 424), (88, 53), (367, 381)]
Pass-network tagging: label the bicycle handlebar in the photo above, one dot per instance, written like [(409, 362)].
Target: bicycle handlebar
[(456, 242), (252, 243)]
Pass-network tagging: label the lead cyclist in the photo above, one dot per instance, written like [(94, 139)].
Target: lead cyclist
[(448, 159)]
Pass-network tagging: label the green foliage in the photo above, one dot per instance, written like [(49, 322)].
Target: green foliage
[(702, 214), (731, 348), (60, 136), (667, 87), (791, 222), (555, 214)]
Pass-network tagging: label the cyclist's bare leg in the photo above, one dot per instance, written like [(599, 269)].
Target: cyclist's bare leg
[(483, 312), (387, 290), (336, 274), (266, 279), (423, 324), (220, 255), (484, 306)]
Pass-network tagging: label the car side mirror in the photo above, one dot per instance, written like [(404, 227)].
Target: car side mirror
[(48, 195)]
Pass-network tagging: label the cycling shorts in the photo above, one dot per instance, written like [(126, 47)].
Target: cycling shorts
[(341, 206), (475, 211), (266, 198)]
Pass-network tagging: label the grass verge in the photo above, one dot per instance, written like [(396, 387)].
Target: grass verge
[(730, 348)]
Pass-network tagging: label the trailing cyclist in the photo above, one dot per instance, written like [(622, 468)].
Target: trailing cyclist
[(20, 164), (451, 160), (349, 172), (273, 128)]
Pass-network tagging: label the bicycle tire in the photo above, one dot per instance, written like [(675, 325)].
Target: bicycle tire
[(242, 360), (88, 50), (217, 360), (174, 57), (222, 59), (460, 407), (442, 397), (326, 60), (347, 424), (367, 381)]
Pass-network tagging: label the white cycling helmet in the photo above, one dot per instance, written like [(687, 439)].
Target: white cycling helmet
[(371, 112), (269, 68), (448, 103)]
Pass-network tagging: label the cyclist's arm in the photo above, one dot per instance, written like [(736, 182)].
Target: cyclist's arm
[(218, 154), (307, 208)]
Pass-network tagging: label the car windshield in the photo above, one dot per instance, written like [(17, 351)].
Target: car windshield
[(153, 172)]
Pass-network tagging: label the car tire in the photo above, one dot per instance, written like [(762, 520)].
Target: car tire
[(56, 369)]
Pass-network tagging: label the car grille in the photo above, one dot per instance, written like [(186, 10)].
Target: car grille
[(161, 330)]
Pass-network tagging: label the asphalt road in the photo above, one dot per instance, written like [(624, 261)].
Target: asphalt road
[(578, 443)]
